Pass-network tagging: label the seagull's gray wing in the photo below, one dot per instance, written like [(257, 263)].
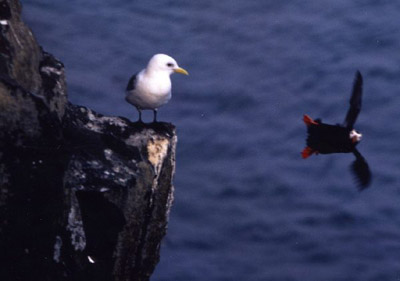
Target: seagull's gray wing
[(355, 102), (132, 83)]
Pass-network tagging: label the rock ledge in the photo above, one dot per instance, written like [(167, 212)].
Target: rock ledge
[(83, 196)]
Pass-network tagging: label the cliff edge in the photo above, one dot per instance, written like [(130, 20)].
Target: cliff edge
[(82, 196)]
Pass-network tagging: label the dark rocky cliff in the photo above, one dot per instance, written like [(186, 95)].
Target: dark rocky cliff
[(82, 196)]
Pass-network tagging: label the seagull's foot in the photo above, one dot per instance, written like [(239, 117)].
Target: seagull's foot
[(155, 116), (139, 121)]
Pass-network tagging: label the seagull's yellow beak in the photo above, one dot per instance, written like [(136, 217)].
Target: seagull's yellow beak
[(181, 70)]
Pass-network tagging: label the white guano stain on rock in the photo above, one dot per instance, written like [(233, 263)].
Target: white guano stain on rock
[(96, 123), (75, 226), (119, 171), (57, 249), (49, 70)]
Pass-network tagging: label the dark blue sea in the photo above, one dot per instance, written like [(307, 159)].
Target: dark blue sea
[(247, 206)]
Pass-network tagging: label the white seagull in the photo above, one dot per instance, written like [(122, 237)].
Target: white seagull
[(151, 87)]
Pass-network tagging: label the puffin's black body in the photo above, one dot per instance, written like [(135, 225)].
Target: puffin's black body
[(325, 139)]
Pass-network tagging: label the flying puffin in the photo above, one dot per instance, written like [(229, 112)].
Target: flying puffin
[(151, 87), (325, 139)]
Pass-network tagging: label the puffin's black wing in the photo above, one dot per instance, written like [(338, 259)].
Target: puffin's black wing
[(361, 170), (355, 102), (132, 83)]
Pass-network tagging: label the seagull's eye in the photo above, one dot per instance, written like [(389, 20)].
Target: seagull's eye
[(170, 64)]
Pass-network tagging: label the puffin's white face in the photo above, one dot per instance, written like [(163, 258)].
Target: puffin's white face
[(161, 62), (355, 136)]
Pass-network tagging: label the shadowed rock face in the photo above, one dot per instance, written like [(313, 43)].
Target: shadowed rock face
[(82, 196)]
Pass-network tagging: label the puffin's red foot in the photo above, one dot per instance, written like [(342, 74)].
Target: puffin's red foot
[(307, 152), (308, 120)]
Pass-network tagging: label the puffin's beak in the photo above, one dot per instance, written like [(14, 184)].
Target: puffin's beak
[(181, 70)]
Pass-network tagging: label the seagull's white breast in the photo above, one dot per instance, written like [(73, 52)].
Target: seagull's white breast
[(157, 85), (152, 90)]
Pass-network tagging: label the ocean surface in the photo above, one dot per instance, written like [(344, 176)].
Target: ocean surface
[(247, 206)]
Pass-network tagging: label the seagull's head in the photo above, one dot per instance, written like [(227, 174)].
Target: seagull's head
[(164, 63), (355, 136)]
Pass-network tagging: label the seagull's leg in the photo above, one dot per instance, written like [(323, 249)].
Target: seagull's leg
[(155, 115), (140, 114)]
